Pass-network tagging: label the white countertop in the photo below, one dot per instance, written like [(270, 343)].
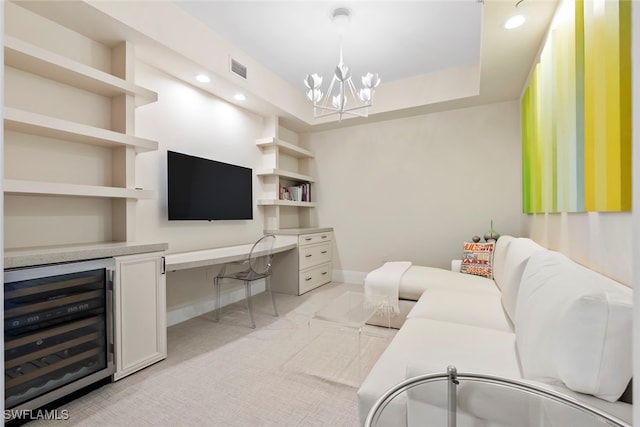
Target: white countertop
[(25, 257), (205, 257), (299, 231)]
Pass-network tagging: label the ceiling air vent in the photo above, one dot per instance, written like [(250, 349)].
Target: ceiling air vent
[(238, 69)]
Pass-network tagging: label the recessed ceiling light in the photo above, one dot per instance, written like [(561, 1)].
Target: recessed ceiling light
[(203, 78), (514, 22), (239, 97)]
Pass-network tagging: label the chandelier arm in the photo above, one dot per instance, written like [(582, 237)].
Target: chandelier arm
[(353, 91), (327, 108), (359, 107), (354, 113), (332, 111), (327, 95)]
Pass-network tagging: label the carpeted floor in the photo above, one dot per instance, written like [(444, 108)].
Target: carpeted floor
[(286, 372)]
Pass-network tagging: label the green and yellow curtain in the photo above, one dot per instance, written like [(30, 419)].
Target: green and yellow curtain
[(576, 113)]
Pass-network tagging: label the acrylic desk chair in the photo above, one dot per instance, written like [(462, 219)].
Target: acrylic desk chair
[(258, 266)]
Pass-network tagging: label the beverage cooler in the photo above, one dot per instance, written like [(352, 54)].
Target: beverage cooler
[(58, 330)]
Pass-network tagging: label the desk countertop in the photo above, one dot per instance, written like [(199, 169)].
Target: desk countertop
[(299, 231), (205, 257)]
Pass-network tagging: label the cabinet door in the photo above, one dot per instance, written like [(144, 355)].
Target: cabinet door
[(140, 312)]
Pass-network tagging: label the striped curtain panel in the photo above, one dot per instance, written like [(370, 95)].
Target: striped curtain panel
[(576, 113)]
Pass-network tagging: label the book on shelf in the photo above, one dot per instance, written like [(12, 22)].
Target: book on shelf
[(296, 193)]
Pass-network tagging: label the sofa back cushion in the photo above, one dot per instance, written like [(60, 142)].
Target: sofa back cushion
[(574, 325), (520, 249), (499, 257)]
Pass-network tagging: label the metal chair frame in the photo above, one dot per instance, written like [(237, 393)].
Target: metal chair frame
[(453, 379)]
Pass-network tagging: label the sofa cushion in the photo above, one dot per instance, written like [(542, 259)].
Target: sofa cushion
[(436, 345), (477, 259), (574, 325), (520, 249), (417, 279), (473, 308), (499, 257)]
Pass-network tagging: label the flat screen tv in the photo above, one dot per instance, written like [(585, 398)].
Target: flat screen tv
[(203, 189)]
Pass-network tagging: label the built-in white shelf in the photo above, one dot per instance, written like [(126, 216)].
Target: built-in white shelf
[(51, 127), (33, 59), (285, 147), (284, 174), (276, 202), (15, 186)]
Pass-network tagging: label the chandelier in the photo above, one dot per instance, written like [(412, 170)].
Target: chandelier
[(342, 96)]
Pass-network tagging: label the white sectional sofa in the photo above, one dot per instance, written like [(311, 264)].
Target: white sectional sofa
[(543, 318)]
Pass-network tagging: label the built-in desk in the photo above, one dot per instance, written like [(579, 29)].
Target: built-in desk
[(206, 257), (306, 268), (302, 258), (180, 261)]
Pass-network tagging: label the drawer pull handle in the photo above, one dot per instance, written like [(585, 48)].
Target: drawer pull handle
[(324, 237), (324, 273), (323, 252), (308, 256), (307, 238), (307, 279)]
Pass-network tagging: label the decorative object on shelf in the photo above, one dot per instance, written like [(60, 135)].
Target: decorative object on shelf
[(296, 193), (491, 234), (475, 239), (342, 87)]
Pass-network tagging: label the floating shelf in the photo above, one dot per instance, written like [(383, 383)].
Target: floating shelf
[(276, 202), (285, 174), (38, 124), (14, 186), (285, 147), (35, 60)]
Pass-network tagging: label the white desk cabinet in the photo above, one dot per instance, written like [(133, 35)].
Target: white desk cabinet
[(140, 312), (307, 267)]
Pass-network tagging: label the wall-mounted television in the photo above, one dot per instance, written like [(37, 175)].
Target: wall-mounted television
[(204, 189)]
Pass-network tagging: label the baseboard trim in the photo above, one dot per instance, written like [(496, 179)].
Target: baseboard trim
[(181, 314)]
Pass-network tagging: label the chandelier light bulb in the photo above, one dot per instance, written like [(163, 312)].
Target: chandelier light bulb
[(342, 72), (365, 95), (370, 80), (313, 81)]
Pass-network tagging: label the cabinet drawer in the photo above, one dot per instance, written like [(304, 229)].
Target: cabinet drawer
[(314, 255), (310, 239), (314, 277)]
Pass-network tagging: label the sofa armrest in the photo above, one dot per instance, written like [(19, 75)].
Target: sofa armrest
[(456, 265)]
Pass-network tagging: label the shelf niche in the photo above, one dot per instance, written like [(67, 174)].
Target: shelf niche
[(49, 200), (285, 162)]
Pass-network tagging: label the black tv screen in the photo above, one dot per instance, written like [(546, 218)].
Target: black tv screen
[(203, 189)]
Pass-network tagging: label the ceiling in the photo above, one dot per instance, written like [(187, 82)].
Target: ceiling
[(396, 39), (432, 55), (405, 42)]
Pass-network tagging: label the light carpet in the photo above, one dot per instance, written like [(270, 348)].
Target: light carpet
[(284, 373)]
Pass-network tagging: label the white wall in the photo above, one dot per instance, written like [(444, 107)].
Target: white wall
[(416, 188), (193, 122), (600, 241), (188, 120)]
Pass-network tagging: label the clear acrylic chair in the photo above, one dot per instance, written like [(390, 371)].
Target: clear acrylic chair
[(258, 266)]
